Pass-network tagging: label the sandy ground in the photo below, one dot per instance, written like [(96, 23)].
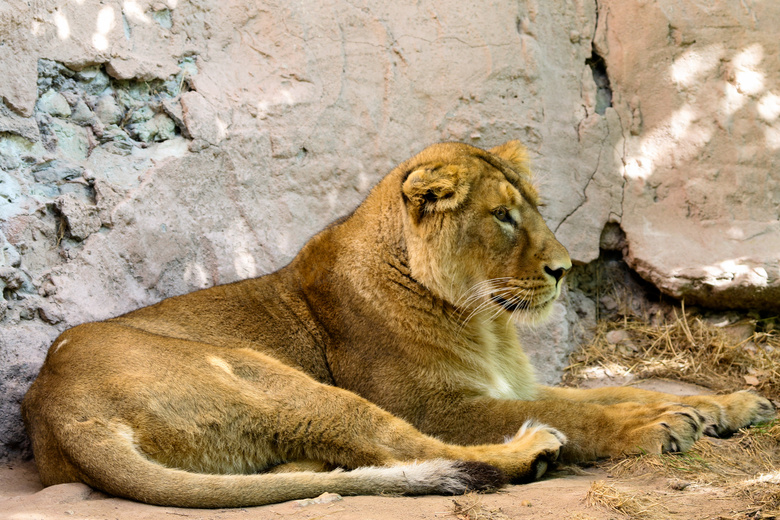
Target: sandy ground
[(562, 495)]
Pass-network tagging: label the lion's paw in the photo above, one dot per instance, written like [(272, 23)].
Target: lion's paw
[(543, 443), (657, 428), (725, 414)]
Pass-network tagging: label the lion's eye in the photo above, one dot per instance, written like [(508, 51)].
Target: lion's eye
[(502, 214)]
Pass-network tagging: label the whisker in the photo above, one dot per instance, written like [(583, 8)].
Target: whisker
[(500, 310), (490, 283), (489, 301), (477, 295), (483, 306), (528, 295), (483, 294), (478, 291), (509, 297)]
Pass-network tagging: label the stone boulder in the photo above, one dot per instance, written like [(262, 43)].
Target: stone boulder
[(697, 88)]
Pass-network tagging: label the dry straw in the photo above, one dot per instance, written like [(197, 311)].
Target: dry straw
[(746, 465), (723, 358), (632, 505), (687, 348), (470, 507)]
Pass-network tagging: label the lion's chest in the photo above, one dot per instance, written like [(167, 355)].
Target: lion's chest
[(511, 380), (501, 369), (499, 387)]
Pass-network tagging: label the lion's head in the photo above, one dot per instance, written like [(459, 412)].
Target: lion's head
[(474, 234)]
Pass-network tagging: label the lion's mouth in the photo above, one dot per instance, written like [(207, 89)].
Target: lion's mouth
[(514, 304), (510, 305)]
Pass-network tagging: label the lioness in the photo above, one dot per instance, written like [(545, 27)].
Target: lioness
[(385, 348)]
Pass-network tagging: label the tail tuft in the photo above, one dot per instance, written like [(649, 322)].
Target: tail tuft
[(479, 476), (439, 476)]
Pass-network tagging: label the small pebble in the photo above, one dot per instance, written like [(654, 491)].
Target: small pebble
[(678, 485)]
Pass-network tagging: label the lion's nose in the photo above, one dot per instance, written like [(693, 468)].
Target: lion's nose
[(556, 272)]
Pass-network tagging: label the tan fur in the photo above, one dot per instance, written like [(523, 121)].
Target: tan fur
[(386, 348)]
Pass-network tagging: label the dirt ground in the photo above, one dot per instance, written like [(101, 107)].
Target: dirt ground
[(671, 487)]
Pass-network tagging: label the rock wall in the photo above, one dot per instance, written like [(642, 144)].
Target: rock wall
[(150, 148), (700, 100)]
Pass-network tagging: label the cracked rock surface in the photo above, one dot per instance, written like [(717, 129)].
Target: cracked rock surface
[(148, 149), (697, 90)]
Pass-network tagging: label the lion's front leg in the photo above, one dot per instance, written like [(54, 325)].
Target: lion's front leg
[(723, 414), (593, 430)]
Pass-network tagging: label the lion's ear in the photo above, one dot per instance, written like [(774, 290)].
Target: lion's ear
[(516, 155), (435, 188)]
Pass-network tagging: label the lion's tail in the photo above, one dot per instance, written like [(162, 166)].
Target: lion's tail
[(112, 463)]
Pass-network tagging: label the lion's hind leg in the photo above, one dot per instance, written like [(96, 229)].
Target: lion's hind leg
[(352, 433), (196, 424), (112, 462)]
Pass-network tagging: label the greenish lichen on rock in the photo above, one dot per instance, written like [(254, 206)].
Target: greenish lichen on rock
[(92, 98), (64, 169), (76, 112), (54, 104)]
